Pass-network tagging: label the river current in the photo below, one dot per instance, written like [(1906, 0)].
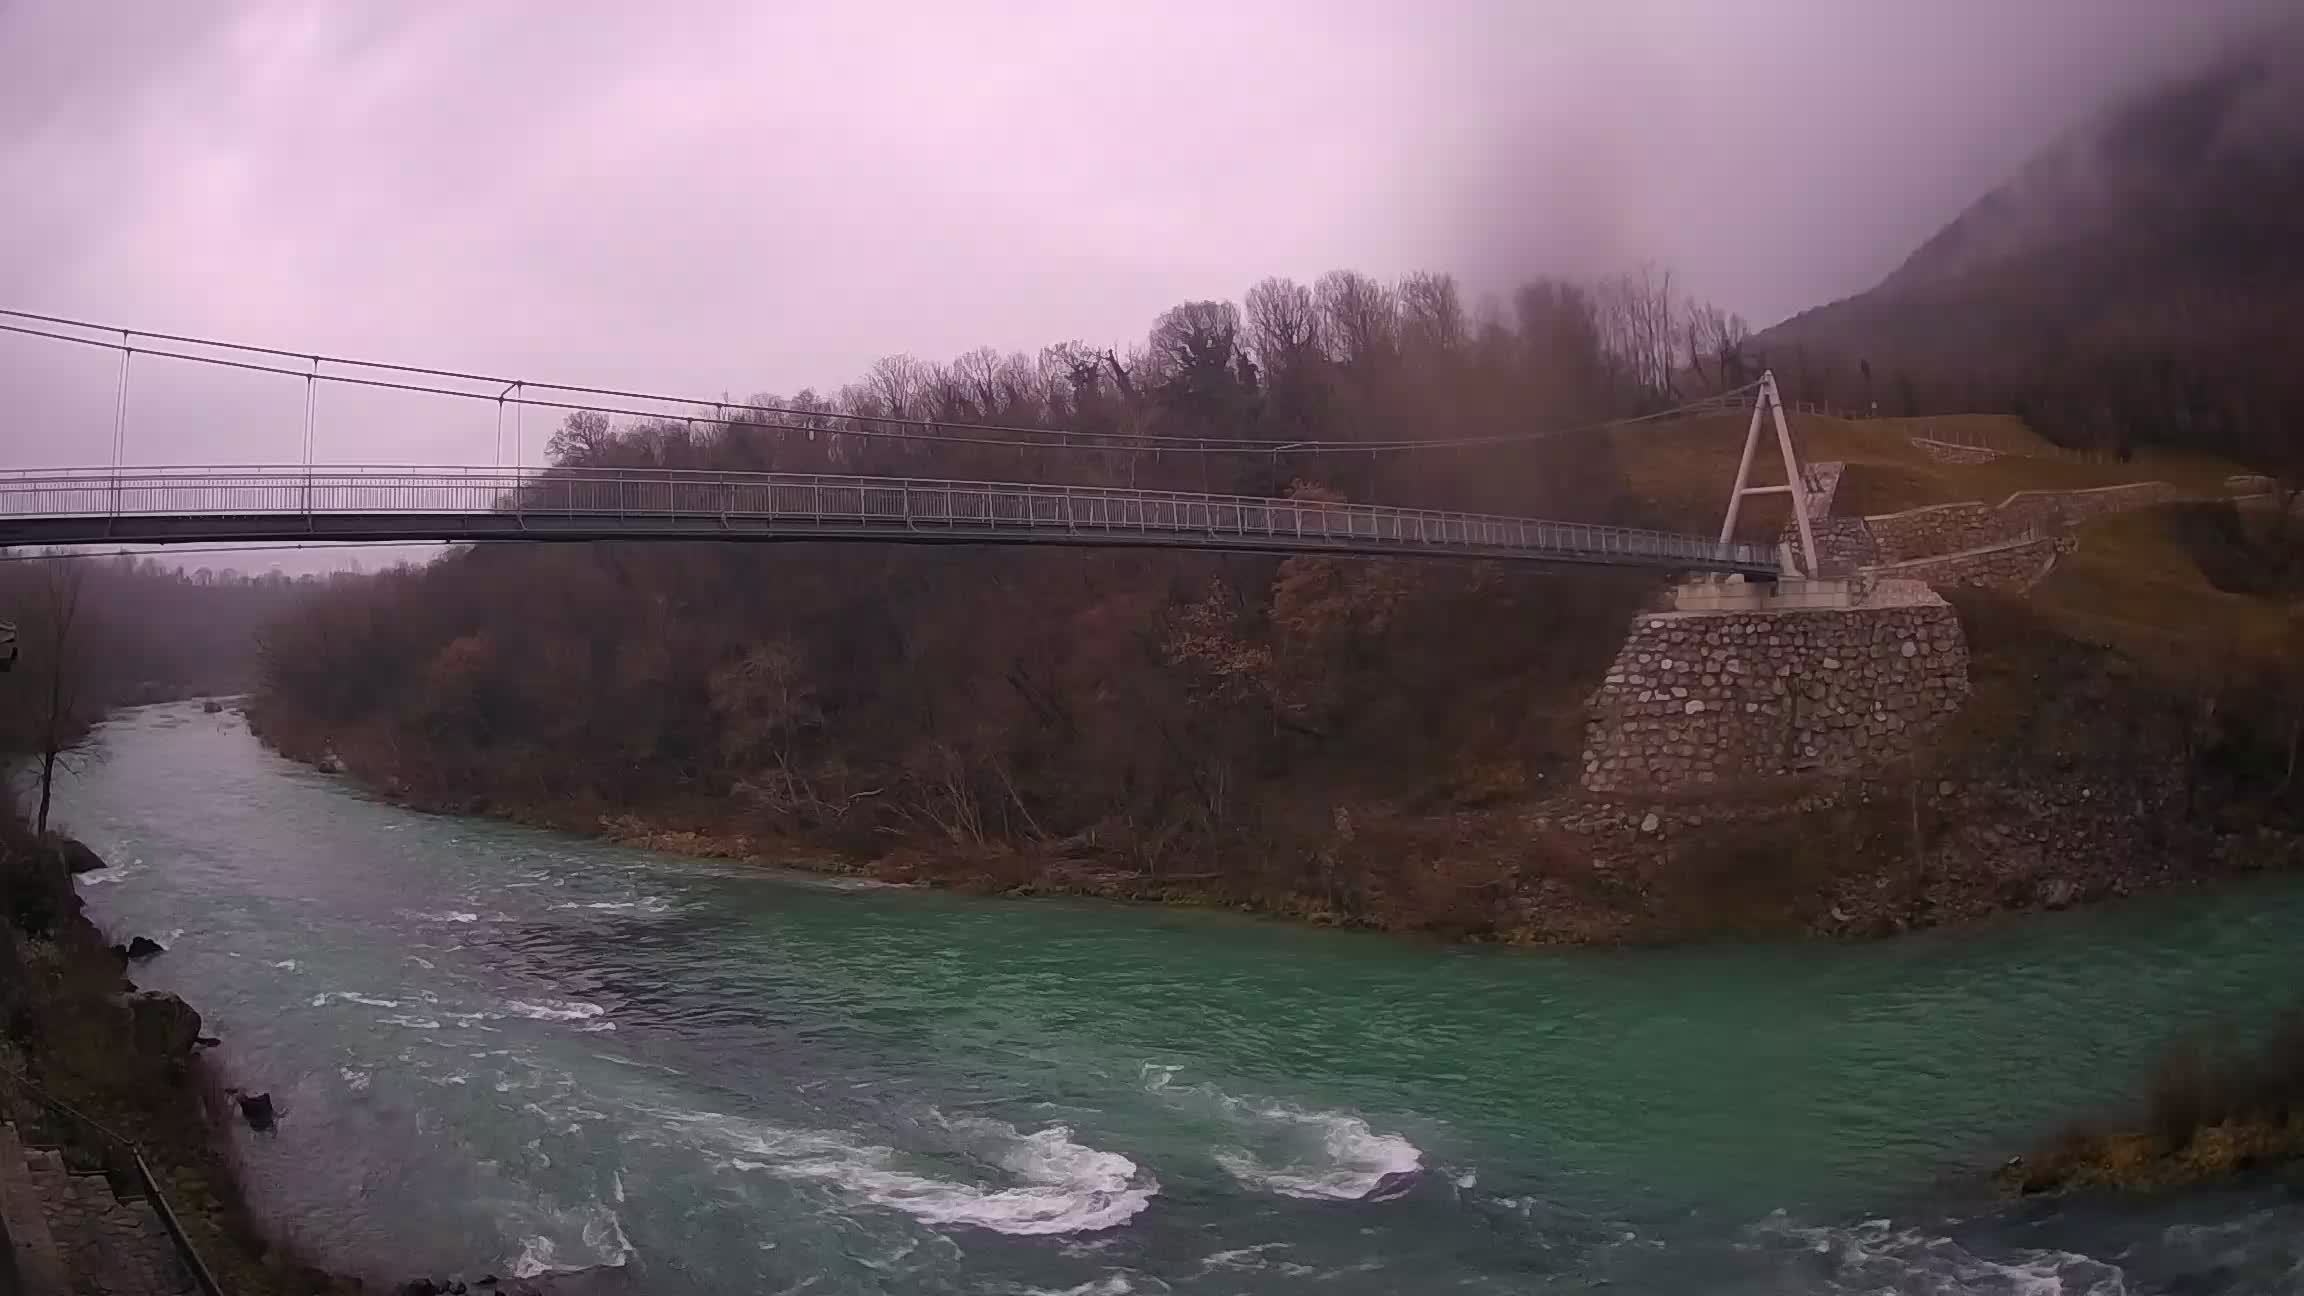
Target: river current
[(499, 1050)]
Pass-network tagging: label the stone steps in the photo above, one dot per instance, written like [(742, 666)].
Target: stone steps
[(106, 1243), (37, 1266)]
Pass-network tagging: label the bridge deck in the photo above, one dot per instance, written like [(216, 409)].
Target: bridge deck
[(174, 505)]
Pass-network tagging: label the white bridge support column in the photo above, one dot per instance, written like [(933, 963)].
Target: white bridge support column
[(1766, 405), (1785, 594)]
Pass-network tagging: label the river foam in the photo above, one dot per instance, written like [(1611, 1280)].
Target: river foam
[(322, 1000), (1299, 1152), (1876, 1256), (647, 905), (1111, 1284), (1046, 1181), (554, 1009), (547, 1250)]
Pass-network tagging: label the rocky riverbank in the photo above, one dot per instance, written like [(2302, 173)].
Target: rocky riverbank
[(134, 1061), (1941, 764), (1932, 844)]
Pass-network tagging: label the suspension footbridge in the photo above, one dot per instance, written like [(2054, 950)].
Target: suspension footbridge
[(123, 504)]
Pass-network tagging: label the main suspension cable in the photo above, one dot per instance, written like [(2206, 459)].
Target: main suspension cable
[(875, 426)]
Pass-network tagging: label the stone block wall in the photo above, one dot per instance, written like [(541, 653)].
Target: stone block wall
[(1951, 528), (2046, 509), (2014, 567), (1698, 699), (1845, 544), (1822, 481), (1938, 529)]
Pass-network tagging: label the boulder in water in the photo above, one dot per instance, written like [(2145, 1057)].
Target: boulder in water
[(144, 947), (212, 707), (1393, 1183), (257, 1110)]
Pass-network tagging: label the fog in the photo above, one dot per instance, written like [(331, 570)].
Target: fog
[(731, 197)]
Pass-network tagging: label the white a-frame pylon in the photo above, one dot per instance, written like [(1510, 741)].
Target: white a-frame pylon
[(1796, 482)]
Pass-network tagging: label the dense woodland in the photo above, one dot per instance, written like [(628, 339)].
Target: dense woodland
[(94, 633), (1164, 712), (1221, 395)]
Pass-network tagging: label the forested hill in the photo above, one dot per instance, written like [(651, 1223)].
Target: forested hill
[(1177, 712), (2137, 281), (97, 632)]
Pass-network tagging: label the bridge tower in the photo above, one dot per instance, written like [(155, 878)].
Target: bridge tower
[(1765, 406)]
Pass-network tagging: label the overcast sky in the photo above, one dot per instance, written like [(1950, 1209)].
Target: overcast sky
[(740, 197)]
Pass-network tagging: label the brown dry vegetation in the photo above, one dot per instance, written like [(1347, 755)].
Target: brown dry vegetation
[(1360, 742), (2213, 1108), (1246, 729)]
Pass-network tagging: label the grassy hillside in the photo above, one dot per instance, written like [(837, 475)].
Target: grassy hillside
[(2168, 586), (2143, 583), (1677, 474)]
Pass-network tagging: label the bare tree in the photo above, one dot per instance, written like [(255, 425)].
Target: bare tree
[(1283, 334), (582, 439), (1639, 323), (899, 385), (1359, 319), (1283, 326), (1199, 370), (1432, 316), (57, 671), (765, 701), (1200, 337), (976, 377), (1716, 337)]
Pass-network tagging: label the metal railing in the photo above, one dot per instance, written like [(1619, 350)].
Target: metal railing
[(250, 501), (121, 1155), (2022, 448)]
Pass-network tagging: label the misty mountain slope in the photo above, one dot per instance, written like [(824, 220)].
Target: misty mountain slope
[(2156, 253)]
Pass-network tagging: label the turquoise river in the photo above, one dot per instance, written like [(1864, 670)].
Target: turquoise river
[(499, 1050)]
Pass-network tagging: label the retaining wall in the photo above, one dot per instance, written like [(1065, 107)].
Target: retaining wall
[(1846, 544), (1950, 528), (1697, 699), (1842, 543), (2015, 566)]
